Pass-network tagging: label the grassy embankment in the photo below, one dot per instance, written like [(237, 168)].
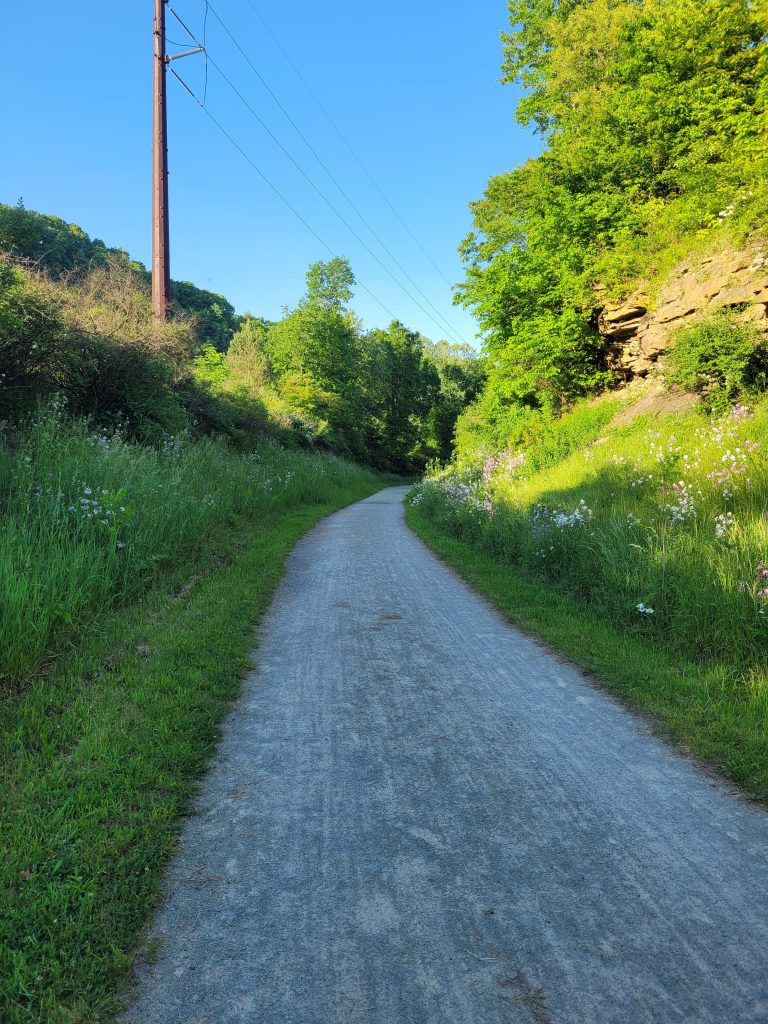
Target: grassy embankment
[(130, 580), (638, 548)]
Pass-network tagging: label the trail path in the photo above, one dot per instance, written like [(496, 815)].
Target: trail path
[(419, 816)]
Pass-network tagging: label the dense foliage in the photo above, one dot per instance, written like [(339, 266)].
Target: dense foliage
[(387, 396), (654, 116), (65, 251), (720, 359), (75, 321)]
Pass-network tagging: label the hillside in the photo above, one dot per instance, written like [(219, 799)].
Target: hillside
[(722, 279), (634, 537), (75, 322), (653, 117), (609, 487)]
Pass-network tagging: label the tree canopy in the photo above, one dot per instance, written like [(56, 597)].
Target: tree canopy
[(654, 116), (75, 320)]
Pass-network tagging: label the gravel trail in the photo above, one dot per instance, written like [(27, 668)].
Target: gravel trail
[(419, 816)]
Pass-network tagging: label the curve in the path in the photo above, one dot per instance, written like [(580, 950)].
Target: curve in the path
[(419, 816)]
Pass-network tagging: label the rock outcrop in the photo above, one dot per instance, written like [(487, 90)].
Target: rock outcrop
[(638, 332)]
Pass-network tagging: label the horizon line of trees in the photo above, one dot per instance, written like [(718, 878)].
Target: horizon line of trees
[(75, 319)]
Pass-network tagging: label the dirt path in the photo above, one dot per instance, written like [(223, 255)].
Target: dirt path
[(418, 816)]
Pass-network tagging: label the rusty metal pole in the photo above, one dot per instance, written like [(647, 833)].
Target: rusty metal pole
[(161, 268)]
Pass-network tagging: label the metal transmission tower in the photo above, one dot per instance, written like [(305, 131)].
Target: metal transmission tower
[(161, 267)]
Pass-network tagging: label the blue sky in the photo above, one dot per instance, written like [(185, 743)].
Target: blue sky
[(413, 86)]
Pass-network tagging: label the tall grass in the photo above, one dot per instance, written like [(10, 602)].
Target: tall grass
[(89, 518), (660, 526)]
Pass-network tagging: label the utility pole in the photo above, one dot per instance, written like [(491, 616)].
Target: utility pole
[(161, 268), (161, 263)]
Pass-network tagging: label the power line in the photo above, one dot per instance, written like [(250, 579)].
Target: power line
[(205, 49), (304, 174), (274, 188), (446, 324), (343, 138)]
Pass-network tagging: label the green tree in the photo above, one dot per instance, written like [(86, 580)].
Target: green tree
[(314, 355), (329, 285), (401, 388), (17, 231), (246, 358), (462, 376), (213, 317), (654, 117)]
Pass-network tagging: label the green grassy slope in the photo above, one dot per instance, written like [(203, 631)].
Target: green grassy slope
[(641, 554), (120, 663)]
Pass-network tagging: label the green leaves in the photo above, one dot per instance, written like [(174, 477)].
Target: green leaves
[(654, 112), (721, 359), (329, 285)]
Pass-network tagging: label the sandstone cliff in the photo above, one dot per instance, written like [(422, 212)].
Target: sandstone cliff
[(638, 332)]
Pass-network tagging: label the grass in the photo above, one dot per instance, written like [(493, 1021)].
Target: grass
[(102, 745), (641, 555), (706, 709), (90, 519)]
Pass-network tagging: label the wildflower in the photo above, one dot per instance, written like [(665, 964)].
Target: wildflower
[(684, 506), (489, 467), (760, 586), (504, 464), (724, 524), (739, 413), (545, 518), (644, 609)]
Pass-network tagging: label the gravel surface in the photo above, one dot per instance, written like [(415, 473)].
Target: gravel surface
[(417, 815)]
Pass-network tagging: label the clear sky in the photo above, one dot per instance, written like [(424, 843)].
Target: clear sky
[(413, 86)]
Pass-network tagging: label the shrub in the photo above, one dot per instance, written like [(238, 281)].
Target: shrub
[(117, 384), (33, 336), (719, 358)]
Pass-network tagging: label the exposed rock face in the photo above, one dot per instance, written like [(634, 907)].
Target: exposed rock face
[(637, 335)]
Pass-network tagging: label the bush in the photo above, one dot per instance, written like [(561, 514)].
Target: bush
[(558, 438), (33, 336), (546, 438), (116, 384), (719, 359)]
